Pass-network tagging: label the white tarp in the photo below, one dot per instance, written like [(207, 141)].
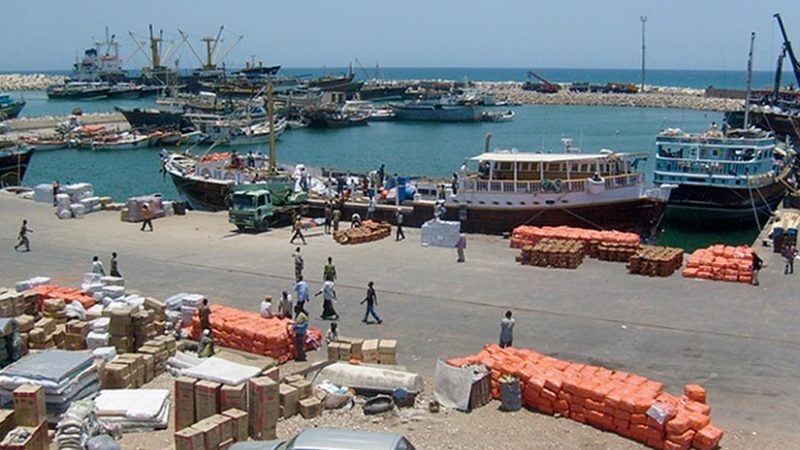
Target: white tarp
[(222, 371), (370, 378), (452, 386), (43, 193), (134, 409), (440, 233)]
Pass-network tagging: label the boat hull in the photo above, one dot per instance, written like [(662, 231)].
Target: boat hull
[(202, 195), (466, 113), (143, 119), (720, 207), (13, 166), (783, 125), (11, 111)]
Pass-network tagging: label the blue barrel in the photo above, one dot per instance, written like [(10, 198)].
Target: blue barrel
[(510, 395)]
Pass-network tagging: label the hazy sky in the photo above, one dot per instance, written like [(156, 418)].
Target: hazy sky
[(681, 34)]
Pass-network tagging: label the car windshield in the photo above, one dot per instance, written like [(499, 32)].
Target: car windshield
[(404, 445), (242, 202), (286, 445)]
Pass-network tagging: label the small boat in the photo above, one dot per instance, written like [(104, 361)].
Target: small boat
[(44, 143), (125, 91), (193, 137), (334, 117), (494, 116), (375, 112), (122, 141), (79, 90), (239, 132), (10, 108), (444, 109), (14, 161)]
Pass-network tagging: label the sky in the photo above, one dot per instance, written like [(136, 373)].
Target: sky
[(681, 34)]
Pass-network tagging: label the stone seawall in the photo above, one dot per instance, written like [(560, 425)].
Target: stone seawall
[(29, 82)]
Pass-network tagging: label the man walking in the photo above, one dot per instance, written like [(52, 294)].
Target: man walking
[(400, 234), (297, 226), (506, 330), (789, 253), (205, 315), (22, 238), (97, 266), (461, 244), (115, 266), (300, 328), (298, 264), (147, 218), (757, 264), (328, 292), (301, 289), (371, 301), (328, 217), (371, 208), (337, 217), (329, 273)]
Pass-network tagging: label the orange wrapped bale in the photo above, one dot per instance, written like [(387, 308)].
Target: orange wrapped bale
[(68, 294), (708, 438), (695, 392)]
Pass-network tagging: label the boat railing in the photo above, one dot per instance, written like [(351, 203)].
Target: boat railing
[(710, 167), (532, 187)]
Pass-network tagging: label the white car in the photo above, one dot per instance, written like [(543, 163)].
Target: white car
[(328, 439)]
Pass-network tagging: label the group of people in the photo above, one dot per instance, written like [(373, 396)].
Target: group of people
[(97, 266)]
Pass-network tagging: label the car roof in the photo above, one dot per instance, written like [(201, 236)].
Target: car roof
[(328, 439)]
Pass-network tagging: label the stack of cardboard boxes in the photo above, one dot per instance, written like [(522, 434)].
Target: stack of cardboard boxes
[(121, 328), (370, 351), (42, 336), (77, 330), (132, 370), (29, 418), (264, 407), (216, 432), (13, 304), (56, 309), (308, 405), (161, 349), (144, 327), (159, 310)]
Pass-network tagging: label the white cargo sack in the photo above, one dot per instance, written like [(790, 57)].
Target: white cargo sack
[(440, 233)]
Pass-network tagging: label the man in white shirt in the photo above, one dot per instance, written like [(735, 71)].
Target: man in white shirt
[(266, 307), (328, 292), (97, 266)]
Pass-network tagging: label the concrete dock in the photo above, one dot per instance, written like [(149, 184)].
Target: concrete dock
[(741, 342)]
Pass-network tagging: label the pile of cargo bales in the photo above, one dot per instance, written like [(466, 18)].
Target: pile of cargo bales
[(605, 245), (655, 261), (619, 402), (368, 231), (549, 252), (248, 331), (721, 263)]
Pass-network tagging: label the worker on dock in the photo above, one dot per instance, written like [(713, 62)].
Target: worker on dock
[(298, 264), (371, 206), (147, 218), (301, 289), (333, 333), (56, 190), (328, 217), (789, 252), (97, 266), (297, 227), (461, 244), (371, 300), (205, 349), (204, 312), (507, 330), (337, 217), (285, 306), (22, 237), (114, 265), (400, 234), (329, 272), (300, 328), (266, 307), (757, 264), (328, 292)]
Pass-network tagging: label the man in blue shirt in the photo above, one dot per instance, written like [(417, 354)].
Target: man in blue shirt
[(301, 288)]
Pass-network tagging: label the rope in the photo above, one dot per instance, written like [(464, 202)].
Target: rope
[(581, 218), (752, 202)]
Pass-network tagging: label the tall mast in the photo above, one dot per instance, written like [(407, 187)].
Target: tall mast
[(154, 49), (749, 82), (644, 20), (273, 168)]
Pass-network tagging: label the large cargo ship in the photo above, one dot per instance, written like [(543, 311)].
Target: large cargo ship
[(730, 179), (14, 162)]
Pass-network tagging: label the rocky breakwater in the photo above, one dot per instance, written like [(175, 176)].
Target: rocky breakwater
[(653, 97), (46, 124), (28, 82)]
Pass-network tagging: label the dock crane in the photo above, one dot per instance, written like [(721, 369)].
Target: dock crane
[(543, 85), (787, 49)]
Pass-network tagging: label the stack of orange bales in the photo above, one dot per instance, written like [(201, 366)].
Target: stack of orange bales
[(529, 235), (627, 404), (68, 294), (721, 262), (249, 332), (368, 231)]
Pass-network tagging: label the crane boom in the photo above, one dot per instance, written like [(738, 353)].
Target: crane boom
[(788, 46), (533, 74), (776, 89)]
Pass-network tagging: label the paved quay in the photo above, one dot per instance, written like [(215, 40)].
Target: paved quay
[(740, 341)]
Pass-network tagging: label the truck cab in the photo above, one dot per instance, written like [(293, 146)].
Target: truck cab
[(258, 206)]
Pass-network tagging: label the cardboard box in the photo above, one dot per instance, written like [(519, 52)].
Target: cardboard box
[(310, 407), (226, 445), (115, 376), (184, 402), (206, 399), (264, 407), (274, 373), (29, 406), (149, 367), (290, 397), (239, 423), (333, 351), (387, 351), (210, 434), (7, 421), (303, 388), (233, 397), (37, 439), (25, 323), (344, 351), (46, 324), (369, 351), (225, 425), (189, 439), (292, 378), (356, 349)]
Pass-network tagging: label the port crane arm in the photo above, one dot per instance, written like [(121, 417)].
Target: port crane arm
[(217, 40), (788, 46), (139, 46), (776, 90), (228, 51), (533, 74), (191, 47)]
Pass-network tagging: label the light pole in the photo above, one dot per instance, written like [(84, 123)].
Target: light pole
[(644, 20)]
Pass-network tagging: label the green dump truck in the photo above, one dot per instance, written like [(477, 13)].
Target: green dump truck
[(259, 206)]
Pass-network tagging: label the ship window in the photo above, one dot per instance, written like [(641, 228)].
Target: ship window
[(469, 202), (564, 201), (522, 203), (535, 203), (481, 202), (509, 203), (495, 203), (550, 202), (738, 182)]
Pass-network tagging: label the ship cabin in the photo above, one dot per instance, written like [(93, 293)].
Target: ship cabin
[(717, 159), (512, 172)]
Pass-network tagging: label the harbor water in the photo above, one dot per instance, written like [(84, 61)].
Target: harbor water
[(420, 149)]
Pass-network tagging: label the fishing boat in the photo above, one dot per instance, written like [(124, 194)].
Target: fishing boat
[(498, 116), (375, 112), (149, 118), (10, 108), (444, 109), (724, 179), (44, 143), (233, 132), (121, 141), (14, 162), (125, 91), (79, 90), (331, 116)]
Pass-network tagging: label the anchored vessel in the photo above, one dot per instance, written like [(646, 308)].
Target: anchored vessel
[(14, 162), (445, 109), (10, 108), (722, 179)]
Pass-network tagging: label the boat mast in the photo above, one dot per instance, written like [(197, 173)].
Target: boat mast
[(270, 116), (749, 82)]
